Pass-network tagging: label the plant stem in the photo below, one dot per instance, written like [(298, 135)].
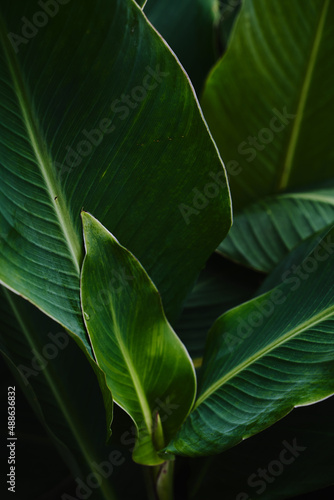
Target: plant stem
[(164, 483), (160, 481)]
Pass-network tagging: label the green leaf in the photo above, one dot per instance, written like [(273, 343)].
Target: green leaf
[(265, 357), (147, 367), (269, 101), (59, 384), (260, 468), (220, 286), (294, 260), (190, 28), (67, 142), (267, 230)]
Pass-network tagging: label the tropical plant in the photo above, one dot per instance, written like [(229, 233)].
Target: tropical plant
[(152, 340)]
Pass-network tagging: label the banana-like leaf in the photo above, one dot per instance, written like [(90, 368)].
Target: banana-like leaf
[(220, 286), (265, 357), (294, 456), (96, 112), (269, 101), (59, 384), (147, 367), (190, 28), (267, 230)]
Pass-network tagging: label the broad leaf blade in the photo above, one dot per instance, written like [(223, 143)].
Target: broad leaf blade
[(146, 365), (263, 358), (264, 97), (267, 230), (260, 468), (68, 141)]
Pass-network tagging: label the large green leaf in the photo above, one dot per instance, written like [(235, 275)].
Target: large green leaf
[(96, 112), (59, 384), (260, 468), (269, 101), (189, 27), (146, 365), (265, 357), (64, 395), (267, 230)]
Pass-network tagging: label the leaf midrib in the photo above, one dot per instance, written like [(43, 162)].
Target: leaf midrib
[(306, 196), (327, 313), (145, 408), (287, 165), (310, 197), (43, 159)]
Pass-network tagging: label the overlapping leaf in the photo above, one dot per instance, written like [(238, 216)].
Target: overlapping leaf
[(269, 101), (147, 367), (267, 230), (294, 456), (96, 112), (265, 357)]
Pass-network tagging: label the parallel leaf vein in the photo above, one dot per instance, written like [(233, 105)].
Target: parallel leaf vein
[(324, 315), (288, 164), (43, 160)]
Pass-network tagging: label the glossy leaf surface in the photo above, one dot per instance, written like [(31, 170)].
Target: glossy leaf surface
[(96, 112), (265, 357), (147, 368)]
